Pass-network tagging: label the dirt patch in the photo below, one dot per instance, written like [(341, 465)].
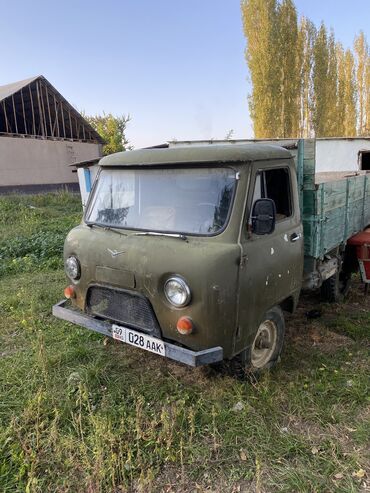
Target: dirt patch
[(320, 338), (364, 415), (297, 425), (135, 358), (316, 433), (171, 481)]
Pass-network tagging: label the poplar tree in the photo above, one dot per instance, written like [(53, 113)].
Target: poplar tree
[(332, 120), (288, 61), (260, 28), (341, 99), (303, 82), (350, 95), (346, 96), (361, 49), (306, 37), (320, 82), (367, 108)]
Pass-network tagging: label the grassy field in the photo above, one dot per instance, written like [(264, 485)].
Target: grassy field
[(81, 414)]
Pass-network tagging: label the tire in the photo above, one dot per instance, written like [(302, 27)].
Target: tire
[(266, 348), (336, 288)]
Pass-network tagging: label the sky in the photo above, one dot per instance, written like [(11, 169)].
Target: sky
[(177, 67)]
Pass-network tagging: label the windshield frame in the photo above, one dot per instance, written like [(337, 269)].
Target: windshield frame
[(174, 166)]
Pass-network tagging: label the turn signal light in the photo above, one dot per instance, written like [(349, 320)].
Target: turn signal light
[(185, 325), (69, 292)]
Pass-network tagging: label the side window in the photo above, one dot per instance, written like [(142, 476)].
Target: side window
[(275, 184)]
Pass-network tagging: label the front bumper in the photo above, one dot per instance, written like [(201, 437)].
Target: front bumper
[(177, 353)]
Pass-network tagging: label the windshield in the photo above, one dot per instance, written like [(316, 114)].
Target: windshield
[(193, 201)]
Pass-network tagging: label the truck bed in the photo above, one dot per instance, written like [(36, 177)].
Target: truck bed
[(333, 211), (334, 205)]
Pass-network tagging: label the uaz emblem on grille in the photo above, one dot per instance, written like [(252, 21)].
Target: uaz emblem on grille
[(114, 253)]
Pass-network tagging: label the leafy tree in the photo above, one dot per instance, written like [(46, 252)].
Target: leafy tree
[(361, 49), (341, 92), (288, 62), (260, 27), (331, 90), (306, 38), (303, 82), (346, 96), (112, 130), (350, 95), (367, 99), (320, 82)]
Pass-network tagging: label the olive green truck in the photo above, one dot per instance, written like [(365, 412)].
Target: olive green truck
[(194, 253)]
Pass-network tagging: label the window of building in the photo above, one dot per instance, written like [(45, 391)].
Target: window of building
[(365, 160)]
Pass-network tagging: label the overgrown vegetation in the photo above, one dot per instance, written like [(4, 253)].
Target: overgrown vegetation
[(32, 230), (81, 415)]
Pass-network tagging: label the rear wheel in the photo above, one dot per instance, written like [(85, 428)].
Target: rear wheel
[(336, 288), (266, 347)]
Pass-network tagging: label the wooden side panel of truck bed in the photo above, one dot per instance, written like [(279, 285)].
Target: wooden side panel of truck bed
[(332, 211)]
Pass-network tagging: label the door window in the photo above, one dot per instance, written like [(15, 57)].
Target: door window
[(275, 184)]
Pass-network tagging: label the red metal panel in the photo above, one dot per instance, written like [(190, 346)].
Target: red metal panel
[(359, 239), (362, 243)]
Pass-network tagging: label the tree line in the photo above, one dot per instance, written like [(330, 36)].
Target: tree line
[(304, 83)]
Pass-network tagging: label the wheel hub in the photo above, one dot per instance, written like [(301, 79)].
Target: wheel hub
[(264, 344)]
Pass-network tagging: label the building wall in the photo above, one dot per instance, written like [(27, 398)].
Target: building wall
[(26, 161), (339, 154)]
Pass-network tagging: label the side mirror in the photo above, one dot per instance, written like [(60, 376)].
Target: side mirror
[(263, 217)]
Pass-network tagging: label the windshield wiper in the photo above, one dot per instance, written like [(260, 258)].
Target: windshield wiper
[(107, 228), (154, 233), (180, 236)]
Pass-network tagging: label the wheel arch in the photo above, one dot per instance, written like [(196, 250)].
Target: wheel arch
[(290, 303)]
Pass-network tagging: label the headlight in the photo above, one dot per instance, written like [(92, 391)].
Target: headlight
[(72, 268), (177, 292)]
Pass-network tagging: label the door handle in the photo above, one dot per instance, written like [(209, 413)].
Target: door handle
[(294, 237)]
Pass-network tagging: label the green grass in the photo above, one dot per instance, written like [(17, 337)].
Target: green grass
[(78, 415), (32, 230)]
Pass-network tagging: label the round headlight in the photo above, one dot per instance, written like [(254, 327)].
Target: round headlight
[(72, 268), (177, 292)]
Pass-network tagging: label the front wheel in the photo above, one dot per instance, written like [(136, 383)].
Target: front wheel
[(267, 345)]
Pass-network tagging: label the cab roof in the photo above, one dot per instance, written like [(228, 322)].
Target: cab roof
[(225, 153)]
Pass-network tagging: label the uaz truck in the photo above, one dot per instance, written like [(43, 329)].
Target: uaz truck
[(194, 253)]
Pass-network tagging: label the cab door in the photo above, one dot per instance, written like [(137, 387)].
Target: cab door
[(272, 264)]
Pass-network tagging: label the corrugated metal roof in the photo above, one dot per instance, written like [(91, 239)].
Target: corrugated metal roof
[(196, 154), (9, 89)]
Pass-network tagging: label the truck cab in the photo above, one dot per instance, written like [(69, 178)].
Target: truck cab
[(190, 253)]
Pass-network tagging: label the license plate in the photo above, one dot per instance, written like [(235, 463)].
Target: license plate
[(138, 339)]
